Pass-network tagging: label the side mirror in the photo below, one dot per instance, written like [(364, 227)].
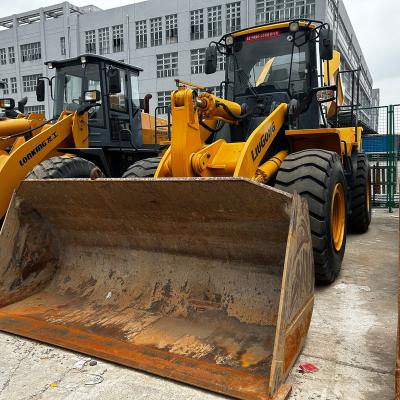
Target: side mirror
[(40, 90), (7, 104), (326, 44), (211, 60), (114, 81), (325, 94)]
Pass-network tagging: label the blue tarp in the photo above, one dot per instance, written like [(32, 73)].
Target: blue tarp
[(378, 143)]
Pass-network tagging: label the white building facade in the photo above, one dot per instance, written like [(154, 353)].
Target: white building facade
[(167, 38)]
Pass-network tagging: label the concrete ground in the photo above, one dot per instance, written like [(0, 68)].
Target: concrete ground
[(351, 340)]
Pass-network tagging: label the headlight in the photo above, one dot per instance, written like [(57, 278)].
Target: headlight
[(7, 104), (324, 96), (91, 96), (294, 27)]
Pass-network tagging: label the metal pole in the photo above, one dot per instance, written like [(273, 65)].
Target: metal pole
[(390, 161)]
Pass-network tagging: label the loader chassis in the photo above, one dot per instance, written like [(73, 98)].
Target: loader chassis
[(272, 112)]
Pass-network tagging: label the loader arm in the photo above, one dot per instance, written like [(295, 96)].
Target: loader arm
[(14, 166), (195, 117), (12, 126)]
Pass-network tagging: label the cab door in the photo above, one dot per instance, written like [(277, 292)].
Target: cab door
[(120, 121)]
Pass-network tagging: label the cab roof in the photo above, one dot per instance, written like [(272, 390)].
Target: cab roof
[(272, 26), (93, 58)]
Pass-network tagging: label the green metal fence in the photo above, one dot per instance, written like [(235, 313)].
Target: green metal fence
[(381, 143)]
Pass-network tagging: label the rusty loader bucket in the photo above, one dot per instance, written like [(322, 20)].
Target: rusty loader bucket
[(205, 281)]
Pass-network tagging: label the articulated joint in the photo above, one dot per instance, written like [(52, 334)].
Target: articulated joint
[(199, 162)]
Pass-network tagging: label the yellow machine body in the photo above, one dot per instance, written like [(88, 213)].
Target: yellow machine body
[(189, 155), (19, 153), (25, 153)]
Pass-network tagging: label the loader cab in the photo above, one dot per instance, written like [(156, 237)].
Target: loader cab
[(273, 64), (115, 118)]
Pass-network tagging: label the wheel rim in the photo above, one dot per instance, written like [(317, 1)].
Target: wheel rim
[(338, 217)]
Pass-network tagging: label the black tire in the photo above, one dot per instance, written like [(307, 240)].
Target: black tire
[(62, 167), (145, 168), (315, 174), (360, 206)]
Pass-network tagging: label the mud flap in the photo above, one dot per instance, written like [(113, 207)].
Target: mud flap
[(205, 281)]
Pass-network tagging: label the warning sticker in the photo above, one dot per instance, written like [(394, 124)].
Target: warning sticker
[(262, 35)]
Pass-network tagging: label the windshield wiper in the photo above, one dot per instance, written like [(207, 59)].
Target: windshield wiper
[(246, 79)]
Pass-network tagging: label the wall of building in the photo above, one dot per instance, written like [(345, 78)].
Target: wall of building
[(48, 25)]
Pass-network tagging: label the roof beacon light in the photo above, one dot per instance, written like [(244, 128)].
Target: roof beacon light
[(229, 40)]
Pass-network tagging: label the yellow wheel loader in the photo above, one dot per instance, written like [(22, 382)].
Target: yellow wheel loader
[(98, 122), (200, 267)]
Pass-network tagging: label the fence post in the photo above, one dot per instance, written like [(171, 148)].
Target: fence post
[(390, 160)]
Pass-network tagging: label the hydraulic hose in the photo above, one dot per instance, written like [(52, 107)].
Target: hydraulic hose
[(235, 116)]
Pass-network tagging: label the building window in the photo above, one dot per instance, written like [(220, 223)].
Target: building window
[(196, 24), (104, 40), (5, 81), (214, 16), (275, 10), (13, 82), (197, 59), (11, 55), (29, 82), (3, 56), (164, 101), (221, 62), (155, 32), (167, 65), (171, 28), (141, 34), (31, 52), (216, 90), (90, 42), (39, 109), (118, 38), (233, 17), (62, 46)]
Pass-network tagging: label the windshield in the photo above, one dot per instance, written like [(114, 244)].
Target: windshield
[(71, 83), (263, 61)]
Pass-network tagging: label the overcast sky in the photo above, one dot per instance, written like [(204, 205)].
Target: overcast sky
[(375, 22)]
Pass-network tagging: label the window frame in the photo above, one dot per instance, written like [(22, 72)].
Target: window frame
[(90, 41), (117, 38), (171, 28), (156, 32), (141, 34), (197, 60), (197, 21), (168, 63)]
